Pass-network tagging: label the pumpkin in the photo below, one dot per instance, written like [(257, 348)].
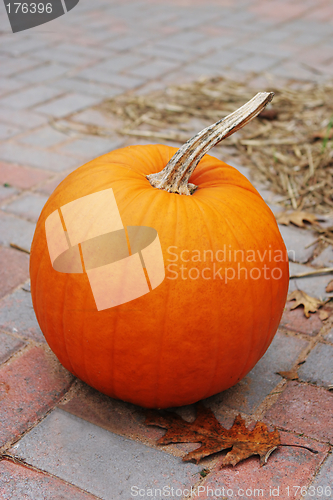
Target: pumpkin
[(154, 290)]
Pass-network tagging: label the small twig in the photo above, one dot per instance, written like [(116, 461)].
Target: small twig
[(314, 242), (270, 142), (300, 446), (311, 165), (324, 270), (17, 247), (291, 194), (12, 458)]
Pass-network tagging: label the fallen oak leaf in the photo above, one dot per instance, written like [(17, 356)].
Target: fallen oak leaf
[(214, 437), (329, 287), (324, 315), (311, 304), (289, 375), (297, 218)]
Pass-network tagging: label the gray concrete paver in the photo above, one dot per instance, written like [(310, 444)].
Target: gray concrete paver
[(9, 85), (64, 57), (313, 285), (87, 148), (8, 346), (226, 58), (20, 482), (34, 157), (42, 73), (15, 230), (7, 192), (11, 66), (324, 259), (27, 206), (31, 96), (126, 43), (318, 367), (118, 80), (251, 391), (329, 336), (22, 118), (154, 69), (7, 131), (294, 70), (98, 461), (257, 62), (67, 104), (117, 63), (17, 316), (44, 138), (101, 90), (322, 485), (296, 241)]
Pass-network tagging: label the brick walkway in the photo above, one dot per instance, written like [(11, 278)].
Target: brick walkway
[(59, 438)]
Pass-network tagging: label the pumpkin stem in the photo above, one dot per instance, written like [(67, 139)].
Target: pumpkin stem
[(176, 174)]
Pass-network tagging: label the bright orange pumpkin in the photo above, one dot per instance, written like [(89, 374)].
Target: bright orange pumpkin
[(186, 339)]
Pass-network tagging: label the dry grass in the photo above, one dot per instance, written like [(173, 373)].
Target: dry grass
[(292, 153), (289, 147)]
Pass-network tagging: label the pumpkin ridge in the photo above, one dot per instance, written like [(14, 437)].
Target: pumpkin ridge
[(62, 320), (231, 229), (84, 335), (218, 339), (236, 215), (250, 230), (157, 403)]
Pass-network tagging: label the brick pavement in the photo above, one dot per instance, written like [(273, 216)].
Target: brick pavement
[(62, 439)]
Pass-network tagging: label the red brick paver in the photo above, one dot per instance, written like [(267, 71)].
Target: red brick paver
[(21, 177), (286, 467), (304, 409), (8, 346), (278, 10), (116, 416), (296, 321), (21, 483), (14, 269), (30, 384)]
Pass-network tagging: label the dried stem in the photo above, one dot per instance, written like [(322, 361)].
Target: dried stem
[(300, 446), (315, 272), (176, 174)]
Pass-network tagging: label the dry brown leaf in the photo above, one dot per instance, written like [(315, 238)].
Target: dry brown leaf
[(289, 375), (323, 315), (296, 218), (214, 438), (311, 304), (329, 287)]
